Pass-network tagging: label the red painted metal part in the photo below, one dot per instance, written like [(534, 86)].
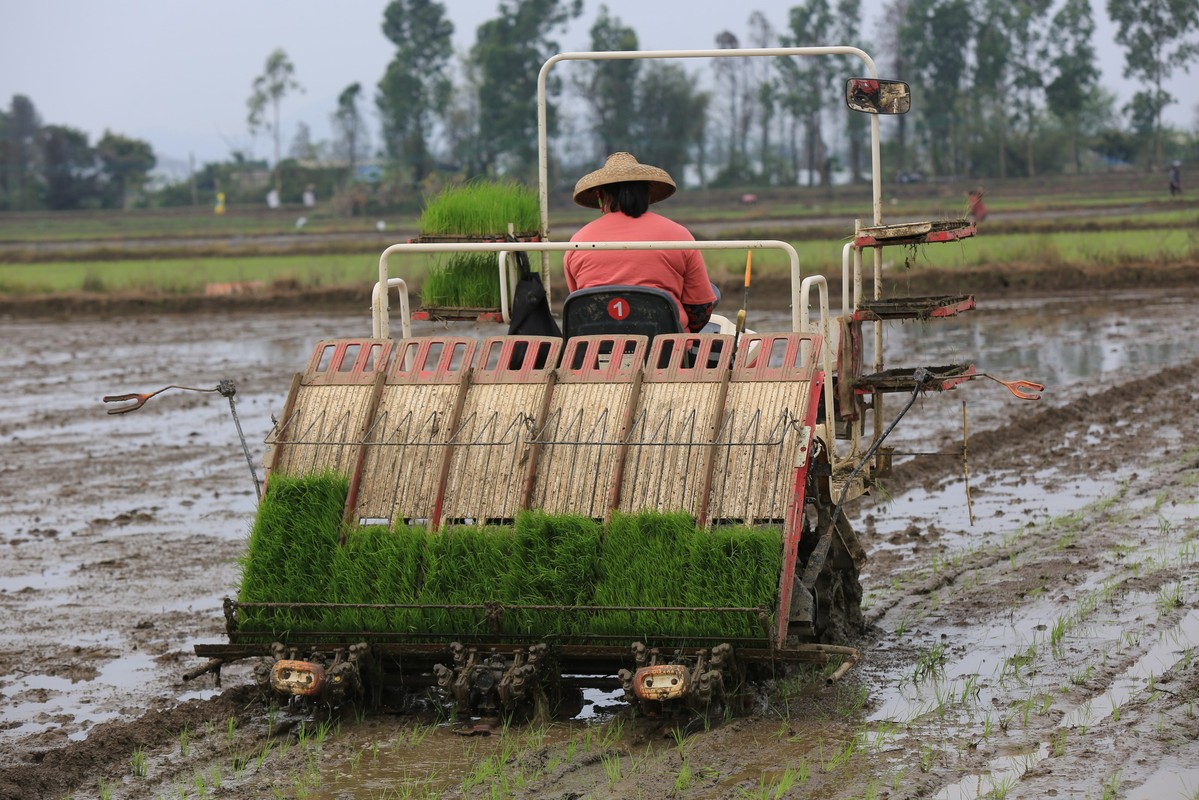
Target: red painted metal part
[(589, 359), (516, 359), (776, 357), (440, 360), (344, 362), (667, 351), (794, 525)]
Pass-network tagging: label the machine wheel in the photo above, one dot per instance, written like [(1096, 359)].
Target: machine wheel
[(838, 589)]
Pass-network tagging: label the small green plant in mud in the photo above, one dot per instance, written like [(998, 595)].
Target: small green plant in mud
[(104, 789), (1170, 598), (137, 763), (1111, 787), (1059, 743), (930, 662), (184, 743), (773, 788), (1058, 632), (854, 702), (926, 757), (682, 781), (1001, 788), (612, 767)]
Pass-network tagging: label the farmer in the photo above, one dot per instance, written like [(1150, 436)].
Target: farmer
[(623, 190), (1175, 178), (974, 206)]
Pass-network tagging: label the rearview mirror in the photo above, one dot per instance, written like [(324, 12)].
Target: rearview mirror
[(874, 96)]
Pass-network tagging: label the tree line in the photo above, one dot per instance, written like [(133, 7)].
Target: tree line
[(56, 167), (1000, 89)]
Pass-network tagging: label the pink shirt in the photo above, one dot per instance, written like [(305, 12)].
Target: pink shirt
[(680, 272)]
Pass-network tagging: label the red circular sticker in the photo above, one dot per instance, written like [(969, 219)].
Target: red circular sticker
[(618, 308)]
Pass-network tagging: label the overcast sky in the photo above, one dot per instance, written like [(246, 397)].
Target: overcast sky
[(178, 74)]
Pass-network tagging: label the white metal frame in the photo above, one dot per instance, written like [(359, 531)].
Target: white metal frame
[(800, 287)]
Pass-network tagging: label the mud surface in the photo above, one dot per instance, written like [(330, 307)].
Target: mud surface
[(1030, 638)]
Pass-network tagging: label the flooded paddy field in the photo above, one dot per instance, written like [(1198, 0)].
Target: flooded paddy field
[(1033, 611)]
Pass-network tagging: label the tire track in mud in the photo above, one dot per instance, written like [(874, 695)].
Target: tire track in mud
[(1033, 657)]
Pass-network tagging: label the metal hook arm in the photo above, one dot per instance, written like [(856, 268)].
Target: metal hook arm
[(1021, 389)]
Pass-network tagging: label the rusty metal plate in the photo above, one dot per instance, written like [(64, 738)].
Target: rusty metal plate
[(303, 678), (661, 682)]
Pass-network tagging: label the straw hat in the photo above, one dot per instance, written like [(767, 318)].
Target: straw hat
[(622, 167)]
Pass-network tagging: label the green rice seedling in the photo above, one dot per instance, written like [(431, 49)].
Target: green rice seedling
[(464, 566), (463, 280), (1111, 787), (612, 768), (931, 662), (479, 208), (378, 565), (292, 544), (644, 562), (184, 743), (1169, 598), (733, 567), (555, 561), (137, 764), (682, 781)]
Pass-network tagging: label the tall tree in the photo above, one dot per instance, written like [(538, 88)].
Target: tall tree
[(896, 49), (416, 87), (993, 78), (610, 87), (733, 81), (808, 79), (68, 168), (672, 118), (276, 82), (352, 139), (124, 165), (937, 32), (1075, 74), (509, 52), (1155, 35), (19, 154), (1027, 38), (847, 28), (765, 90)]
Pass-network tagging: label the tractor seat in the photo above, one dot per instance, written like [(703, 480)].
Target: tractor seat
[(620, 310)]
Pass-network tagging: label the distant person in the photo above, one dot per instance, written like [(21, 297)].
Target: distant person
[(309, 196), (1176, 178), (975, 208), (623, 190)]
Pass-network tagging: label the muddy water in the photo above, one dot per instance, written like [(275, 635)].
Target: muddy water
[(121, 532)]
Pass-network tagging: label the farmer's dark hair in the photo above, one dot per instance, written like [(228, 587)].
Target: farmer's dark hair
[(630, 197)]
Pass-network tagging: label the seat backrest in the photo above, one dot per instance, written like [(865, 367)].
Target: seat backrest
[(620, 310)]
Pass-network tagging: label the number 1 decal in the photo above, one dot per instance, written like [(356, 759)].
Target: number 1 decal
[(618, 308)]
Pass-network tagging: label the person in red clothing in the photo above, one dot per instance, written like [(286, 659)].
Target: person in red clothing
[(623, 190)]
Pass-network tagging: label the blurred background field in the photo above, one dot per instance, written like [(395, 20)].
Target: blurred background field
[(1091, 222)]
